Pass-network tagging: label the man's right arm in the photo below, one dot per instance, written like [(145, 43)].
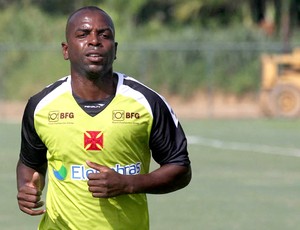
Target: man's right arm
[(30, 184)]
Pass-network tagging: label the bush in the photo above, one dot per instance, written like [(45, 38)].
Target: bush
[(180, 60)]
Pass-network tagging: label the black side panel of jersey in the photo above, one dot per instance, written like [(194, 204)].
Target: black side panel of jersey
[(33, 151), (167, 142)]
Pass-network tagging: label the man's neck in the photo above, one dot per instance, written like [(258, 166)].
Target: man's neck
[(94, 89)]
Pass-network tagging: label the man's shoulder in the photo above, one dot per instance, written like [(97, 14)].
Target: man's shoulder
[(137, 85), (36, 98)]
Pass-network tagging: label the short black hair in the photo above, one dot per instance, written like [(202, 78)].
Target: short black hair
[(91, 8)]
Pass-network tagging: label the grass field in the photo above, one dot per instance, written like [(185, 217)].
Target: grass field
[(246, 176)]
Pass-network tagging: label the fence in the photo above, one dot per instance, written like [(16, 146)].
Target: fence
[(170, 68)]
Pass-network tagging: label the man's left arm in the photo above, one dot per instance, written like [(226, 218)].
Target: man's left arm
[(167, 178), (108, 183), (168, 146)]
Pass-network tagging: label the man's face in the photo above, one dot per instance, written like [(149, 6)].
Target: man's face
[(90, 46)]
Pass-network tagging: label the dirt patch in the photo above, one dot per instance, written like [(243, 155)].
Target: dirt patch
[(11, 110), (215, 106), (196, 107)]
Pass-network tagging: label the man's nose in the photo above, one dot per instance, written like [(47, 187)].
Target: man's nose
[(94, 39)]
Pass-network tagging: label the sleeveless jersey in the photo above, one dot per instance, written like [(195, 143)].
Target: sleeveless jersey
[(136, 124)]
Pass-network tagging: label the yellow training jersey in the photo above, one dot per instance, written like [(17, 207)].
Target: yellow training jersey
[(134, 125)]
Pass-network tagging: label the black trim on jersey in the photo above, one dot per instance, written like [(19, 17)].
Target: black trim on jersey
[(93, 108), (167, 142), (34, 155)]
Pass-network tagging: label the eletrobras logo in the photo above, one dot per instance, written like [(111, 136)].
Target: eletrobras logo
[(81, 172), (61, 173)]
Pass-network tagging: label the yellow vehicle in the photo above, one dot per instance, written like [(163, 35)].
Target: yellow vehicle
[(280, 86)]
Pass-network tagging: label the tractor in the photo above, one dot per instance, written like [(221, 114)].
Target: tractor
[(280, 84)]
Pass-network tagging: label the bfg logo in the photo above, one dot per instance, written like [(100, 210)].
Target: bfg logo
[(121, 115), (118, 115), (55, 116)]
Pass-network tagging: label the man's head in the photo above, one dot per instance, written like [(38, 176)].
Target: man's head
[(88, 8), (90, 42)]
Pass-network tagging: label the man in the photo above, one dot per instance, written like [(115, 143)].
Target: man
[(94, 132)]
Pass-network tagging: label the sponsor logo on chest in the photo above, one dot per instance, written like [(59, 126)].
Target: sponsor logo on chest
[(58, 117)]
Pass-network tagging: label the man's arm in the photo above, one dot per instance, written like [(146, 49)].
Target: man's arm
[(167, 178), (108, 183), (30, 184)]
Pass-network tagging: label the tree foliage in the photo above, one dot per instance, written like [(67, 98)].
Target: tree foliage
[(180, 22), (169, 12)]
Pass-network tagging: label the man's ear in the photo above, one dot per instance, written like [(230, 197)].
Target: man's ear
[(65, 52), (116, 48)]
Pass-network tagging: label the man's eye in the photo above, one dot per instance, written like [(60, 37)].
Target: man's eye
[(81, 35), (105, 35)]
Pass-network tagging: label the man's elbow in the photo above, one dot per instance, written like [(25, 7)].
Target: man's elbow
[(187, 177)]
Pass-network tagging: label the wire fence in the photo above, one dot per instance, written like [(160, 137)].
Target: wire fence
[(175, 68)]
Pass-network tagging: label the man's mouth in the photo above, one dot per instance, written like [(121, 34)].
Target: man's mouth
[(94, 57)]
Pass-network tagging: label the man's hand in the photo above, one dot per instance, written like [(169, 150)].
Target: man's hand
[(29, 196), (107, 183)]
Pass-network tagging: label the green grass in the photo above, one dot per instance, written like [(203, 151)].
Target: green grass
[(244, 177), (10, 216)]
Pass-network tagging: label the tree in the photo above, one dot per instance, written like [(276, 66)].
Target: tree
[(285, 18)]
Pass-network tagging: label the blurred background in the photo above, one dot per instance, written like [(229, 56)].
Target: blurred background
[(229, 68), (204, 56)]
